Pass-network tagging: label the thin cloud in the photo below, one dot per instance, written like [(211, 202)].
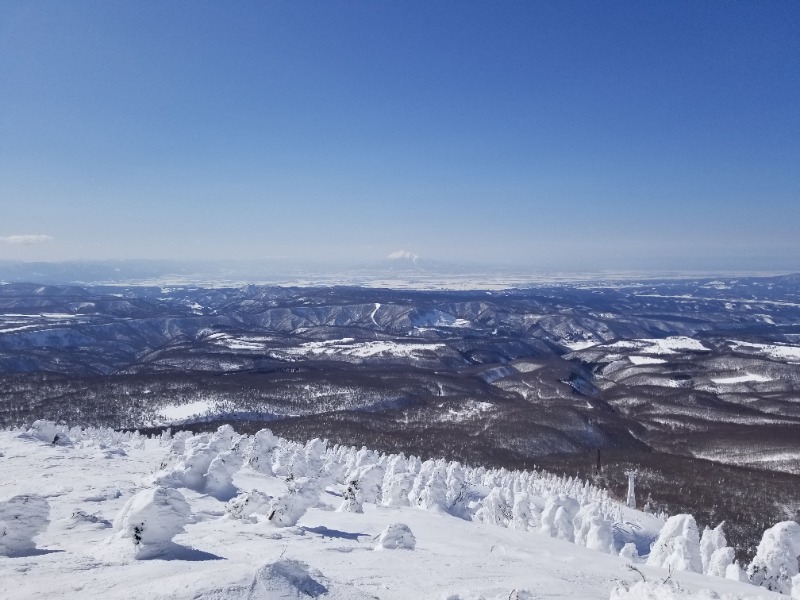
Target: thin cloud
[(26, 240)]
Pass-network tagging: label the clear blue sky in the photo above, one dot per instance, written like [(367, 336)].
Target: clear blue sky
[(560, 135)]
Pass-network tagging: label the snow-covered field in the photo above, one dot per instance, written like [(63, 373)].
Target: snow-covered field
[(99, 514), (349, 347), (747, 377), (646, 360), (668, 345), (180, 412), (774, 351)]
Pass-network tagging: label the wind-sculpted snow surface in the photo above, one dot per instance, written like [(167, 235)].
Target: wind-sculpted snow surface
[(492, 532), (665, 591)]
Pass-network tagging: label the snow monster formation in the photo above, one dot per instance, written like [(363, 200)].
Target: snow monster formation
[(149, 520), (21, 519)]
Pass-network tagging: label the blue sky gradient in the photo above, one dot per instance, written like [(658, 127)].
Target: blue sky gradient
[(555, 135)]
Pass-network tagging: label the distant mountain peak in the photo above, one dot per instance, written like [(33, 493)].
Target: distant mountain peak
[(403, 255)]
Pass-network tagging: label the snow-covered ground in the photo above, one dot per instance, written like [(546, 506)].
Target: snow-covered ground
[(668, 345), (349, 347), (774, 351), (176, 413), (747, 377), (579, 345), (646, 360), (225, 516)]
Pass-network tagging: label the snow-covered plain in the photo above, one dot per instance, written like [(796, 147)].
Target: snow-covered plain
[(228, 516)]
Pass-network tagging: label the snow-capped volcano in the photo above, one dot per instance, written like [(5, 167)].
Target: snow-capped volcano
[(403, 256)]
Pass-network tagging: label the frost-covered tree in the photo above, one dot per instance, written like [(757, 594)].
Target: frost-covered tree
[(677, 546), (736, 573), (796, 587), (206, 463), (521, 514), (315, 451), (259, 452), (433, 495), (420, 481), (457, 488), (370, 480), (711, 541), (494, 509), (719, 561), (22, 518), (397, 482), (219, 477), (396, 536), (247, 506), (557, 516), (352, 500), (285, 510), (629, 553), (49, 432), (776, 559), (149, 520), (592, 530)]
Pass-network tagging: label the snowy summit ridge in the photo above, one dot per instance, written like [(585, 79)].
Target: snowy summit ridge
[(281, 519)]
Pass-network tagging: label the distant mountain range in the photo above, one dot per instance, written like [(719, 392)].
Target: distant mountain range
[(399, 269)]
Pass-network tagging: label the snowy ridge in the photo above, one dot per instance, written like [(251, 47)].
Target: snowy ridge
[(298, 520)]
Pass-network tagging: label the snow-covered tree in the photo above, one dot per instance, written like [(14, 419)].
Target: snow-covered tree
[(559, 511), (370, 480), (49, 432), (396, 536), (149, 521), (677, 546), (219, 477), (433, 495), (719, 561), (457, 487), (776, 559), (397, 481), (420, 481), (494, 509), (629, 553), (352, 499), (315, 451), (285, 510), (21, 519), (711, 541), (259, 452), (592, 530), (521, 514), (735, 572), (796, 587), (247, 505)]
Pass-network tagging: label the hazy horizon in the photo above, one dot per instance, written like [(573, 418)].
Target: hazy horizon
[(551, 136)]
